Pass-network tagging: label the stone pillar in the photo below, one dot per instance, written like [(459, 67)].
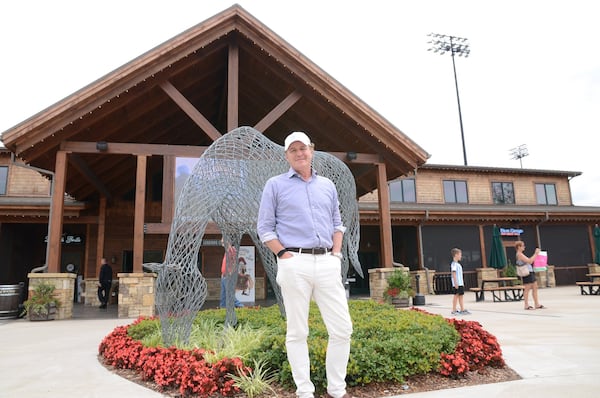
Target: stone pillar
[(487, 273), (378, 280), (64, 284), (546, 278), (425, 281), (137, 294), (90, 293), (593, 268)]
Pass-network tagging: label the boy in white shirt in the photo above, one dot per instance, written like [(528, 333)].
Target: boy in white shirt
[(458, 284)]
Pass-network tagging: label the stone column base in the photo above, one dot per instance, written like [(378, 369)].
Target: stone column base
[(546, 278), (378, 280), (137, 294), (64, 284), (487, 273), (425, 281)]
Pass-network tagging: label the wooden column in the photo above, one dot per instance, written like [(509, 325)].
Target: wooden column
[(138, 220), (168, 190), (101, 233), (53, 254), (233, 83), (482, 247), (385, 228)]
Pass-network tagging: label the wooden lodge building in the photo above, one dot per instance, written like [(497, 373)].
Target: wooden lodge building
[(93, 175)]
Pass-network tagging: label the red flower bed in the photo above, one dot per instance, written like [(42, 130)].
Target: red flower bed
[(476, 350), (184, 370)]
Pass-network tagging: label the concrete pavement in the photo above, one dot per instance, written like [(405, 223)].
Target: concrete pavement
[(555, 350)]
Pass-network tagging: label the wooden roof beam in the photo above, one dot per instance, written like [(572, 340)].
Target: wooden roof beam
[(190, 110), (81, 166)]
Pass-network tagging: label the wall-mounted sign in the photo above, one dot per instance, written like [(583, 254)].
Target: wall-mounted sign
[(68, 239), (510, 231)]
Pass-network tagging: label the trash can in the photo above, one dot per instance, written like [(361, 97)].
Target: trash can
[(10, 300)]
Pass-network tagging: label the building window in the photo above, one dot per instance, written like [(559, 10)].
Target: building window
[(3, 179), (546, 194), (455, 191), (503, 193), (403, 191)]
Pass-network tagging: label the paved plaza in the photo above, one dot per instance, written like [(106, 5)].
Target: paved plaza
[(555, 350)]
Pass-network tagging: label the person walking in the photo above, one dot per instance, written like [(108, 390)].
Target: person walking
[(458, 284), (299, 221), (529, 281), (104, 283), (230, 253)]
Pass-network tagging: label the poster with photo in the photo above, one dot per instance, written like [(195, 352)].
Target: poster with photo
[(244, 288)]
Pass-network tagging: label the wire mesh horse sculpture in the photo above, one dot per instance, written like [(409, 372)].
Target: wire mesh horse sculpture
[(225, 187)]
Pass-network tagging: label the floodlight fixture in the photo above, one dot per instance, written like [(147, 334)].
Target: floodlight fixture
[(441, 44)]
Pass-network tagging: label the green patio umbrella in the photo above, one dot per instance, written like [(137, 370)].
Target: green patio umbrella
[(497, 254), (597, 243)]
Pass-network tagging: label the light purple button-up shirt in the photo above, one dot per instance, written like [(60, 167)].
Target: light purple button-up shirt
[(299, 213)]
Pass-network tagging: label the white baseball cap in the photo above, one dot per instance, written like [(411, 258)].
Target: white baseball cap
[(296, 136)]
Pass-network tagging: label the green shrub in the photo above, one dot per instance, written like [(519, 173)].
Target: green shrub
[(387, 344)]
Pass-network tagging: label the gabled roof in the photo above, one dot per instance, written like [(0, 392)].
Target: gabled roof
[(166, 94)]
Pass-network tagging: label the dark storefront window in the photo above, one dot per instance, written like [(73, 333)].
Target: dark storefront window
[(3, 179), (403, 191), (566, 245), (503, 193), (546, 194), (455, 191), (439, 240), (405, 246)]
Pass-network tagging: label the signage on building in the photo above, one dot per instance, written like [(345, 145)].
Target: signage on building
[(68, 239), (511, 231)]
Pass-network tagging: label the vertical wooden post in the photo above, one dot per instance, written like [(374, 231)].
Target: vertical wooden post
[(385, 227), (233, 82), (138, 220), (53, 255), (482, 247), (168, 190), (101, 234)]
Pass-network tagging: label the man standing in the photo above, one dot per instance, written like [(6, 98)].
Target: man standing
[(104, 283), (299, 221)]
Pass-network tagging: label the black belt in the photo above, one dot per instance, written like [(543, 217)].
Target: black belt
[(312, 250)]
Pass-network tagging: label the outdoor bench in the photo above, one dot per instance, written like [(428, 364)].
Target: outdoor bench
[(500, 293), (589, 288)]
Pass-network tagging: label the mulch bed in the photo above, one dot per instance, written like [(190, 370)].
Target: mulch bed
[(421, 383)]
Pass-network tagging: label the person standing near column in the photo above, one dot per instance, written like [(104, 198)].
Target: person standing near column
[(299, 221), (231, 254), (104, 283)]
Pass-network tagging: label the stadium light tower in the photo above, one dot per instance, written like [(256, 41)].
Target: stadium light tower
[(519, 153), (443, 44)]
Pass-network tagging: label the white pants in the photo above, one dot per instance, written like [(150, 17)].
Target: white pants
[(301, 278)]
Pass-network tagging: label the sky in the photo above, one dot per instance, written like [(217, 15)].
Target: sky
[(532, 77)]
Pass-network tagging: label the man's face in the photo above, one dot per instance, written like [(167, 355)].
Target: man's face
[(299, 155)]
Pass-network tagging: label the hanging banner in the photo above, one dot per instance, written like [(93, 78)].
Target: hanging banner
[(244, 288)]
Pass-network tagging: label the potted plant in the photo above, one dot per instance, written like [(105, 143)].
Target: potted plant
[(42, 304), (399, 289)]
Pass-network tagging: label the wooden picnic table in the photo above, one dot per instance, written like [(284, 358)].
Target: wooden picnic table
[(591, 287), (503, 289)]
